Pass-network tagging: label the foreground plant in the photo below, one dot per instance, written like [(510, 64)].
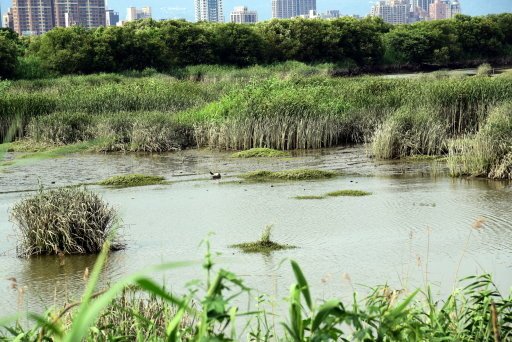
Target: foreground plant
[(137, 308), (64, 221)]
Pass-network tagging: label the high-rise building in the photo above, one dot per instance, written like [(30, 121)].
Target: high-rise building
[(444, 9), (32, 17), (209, 10), (7, 20), (242, 15), (111, 18), (423, 4), (283, 9), (392, 11), (85, 13), (133, 13)]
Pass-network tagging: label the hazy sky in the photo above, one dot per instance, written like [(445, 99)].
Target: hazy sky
[(185, 8)]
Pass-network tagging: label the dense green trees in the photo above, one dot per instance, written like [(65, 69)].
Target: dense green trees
[(9, 51), (166, 45)]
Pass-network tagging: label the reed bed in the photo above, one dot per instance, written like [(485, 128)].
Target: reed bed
[(263, 245), (488, 153), (64, 221)]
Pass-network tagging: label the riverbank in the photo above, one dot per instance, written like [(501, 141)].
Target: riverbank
[(286, 108)]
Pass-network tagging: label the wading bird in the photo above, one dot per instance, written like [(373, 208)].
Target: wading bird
[(215, 175)]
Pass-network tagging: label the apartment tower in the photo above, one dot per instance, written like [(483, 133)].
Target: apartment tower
[(209, 10), (283, 9), (392, 11), (33, 17), (242, 15)]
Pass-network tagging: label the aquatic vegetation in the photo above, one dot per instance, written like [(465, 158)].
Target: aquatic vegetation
[(260, 152), (288, 175), (489, 152), (134, 180), (348, 193), (64, 221), (137, 306), (410, 132), (263, 245), (309, 197)]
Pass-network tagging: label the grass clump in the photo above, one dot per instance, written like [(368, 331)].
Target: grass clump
[(259, 153), (288, 175), (348, 193), (263, 245), (64, 221), (128, 181), (489, 152), (484, 70)]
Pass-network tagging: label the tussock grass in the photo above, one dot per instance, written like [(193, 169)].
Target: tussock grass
[(484, 70), (348, 193), (64, 221), (263, 245), (487, 153), (259, 153), (134, 180), (288, 175)]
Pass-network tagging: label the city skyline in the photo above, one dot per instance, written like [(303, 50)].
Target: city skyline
[(173, 9)]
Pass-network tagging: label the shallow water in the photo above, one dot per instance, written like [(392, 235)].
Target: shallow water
[(414, 227)]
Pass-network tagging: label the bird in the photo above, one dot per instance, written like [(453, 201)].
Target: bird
[(215, 175)]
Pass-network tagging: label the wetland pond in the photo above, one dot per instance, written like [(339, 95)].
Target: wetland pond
[(416, 226)]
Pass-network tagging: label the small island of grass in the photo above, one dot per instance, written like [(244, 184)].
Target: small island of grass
[(134, 180), (260, 153), (263, 245), (340, 193), (348, 193), (288, 175)]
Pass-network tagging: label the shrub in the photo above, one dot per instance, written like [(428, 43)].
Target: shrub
[(484, 70), (64, 221)]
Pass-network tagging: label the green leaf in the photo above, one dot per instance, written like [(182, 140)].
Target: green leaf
[(303, 284)]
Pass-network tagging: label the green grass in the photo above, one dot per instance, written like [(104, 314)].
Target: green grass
[(309, 197), (264, 245), (288, 175), (259, 153), (134, 180), (348, 193)]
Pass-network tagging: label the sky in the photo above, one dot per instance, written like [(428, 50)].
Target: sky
[(173, 9)]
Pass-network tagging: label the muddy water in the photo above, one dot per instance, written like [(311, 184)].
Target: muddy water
[(415, 226)]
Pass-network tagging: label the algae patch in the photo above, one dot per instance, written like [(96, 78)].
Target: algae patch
[(134, 180), (260, 153), (288, 175), (348, 193)]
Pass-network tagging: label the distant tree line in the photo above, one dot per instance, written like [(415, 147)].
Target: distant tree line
[(165, 45)]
